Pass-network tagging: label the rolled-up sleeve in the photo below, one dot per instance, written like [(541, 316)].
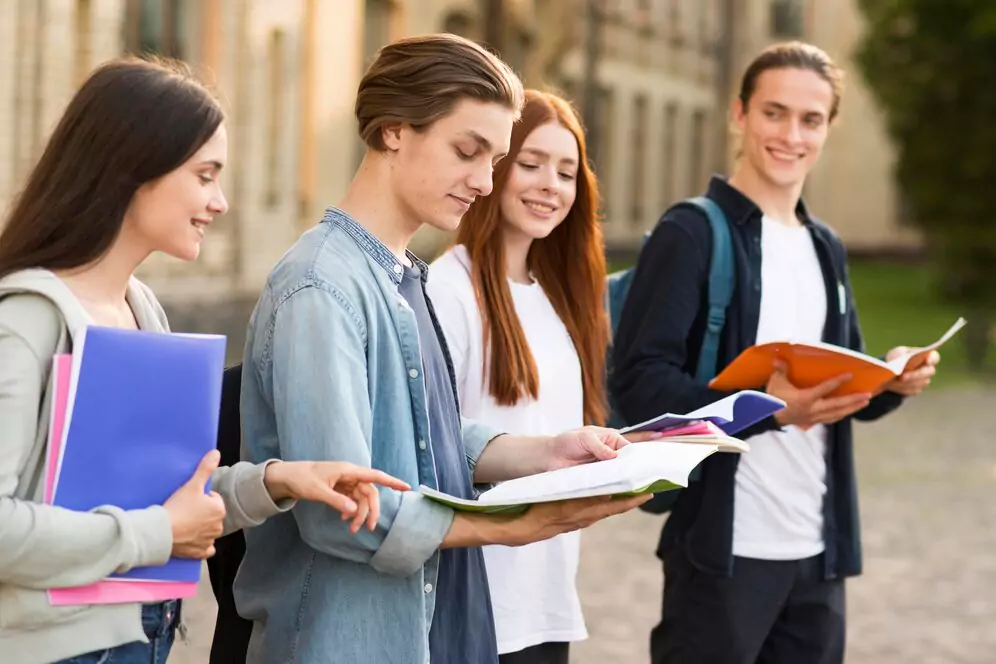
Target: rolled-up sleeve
[(320, 394)]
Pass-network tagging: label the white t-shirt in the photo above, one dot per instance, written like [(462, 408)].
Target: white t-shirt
[(533, 587), (780, 483)]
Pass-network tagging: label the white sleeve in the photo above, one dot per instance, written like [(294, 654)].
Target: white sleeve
[(453, 301)]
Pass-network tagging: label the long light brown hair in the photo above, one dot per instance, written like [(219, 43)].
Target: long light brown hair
[(569, 265)]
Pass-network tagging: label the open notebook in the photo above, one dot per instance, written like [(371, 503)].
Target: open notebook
[(812, 363), (649, 467)]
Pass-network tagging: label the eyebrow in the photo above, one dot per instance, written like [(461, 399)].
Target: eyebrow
[(214, 164), (541, 153), (782, 107), (484, 143)]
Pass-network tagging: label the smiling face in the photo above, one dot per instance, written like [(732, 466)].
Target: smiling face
[(438, 172), (785, 125), (171, 213), (542, 183)]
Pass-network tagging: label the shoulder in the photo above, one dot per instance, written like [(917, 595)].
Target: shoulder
[(143, 297), (34, 319), (825, 231), (451, 273)]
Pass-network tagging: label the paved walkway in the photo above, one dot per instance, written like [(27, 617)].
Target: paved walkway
[(928, 595)]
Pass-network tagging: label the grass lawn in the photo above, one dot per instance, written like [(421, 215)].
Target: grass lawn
[(898, 306)]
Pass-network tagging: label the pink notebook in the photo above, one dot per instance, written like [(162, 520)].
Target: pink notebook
[(102, 592)]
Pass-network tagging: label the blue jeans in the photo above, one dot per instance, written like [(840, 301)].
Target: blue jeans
[(159, 622)]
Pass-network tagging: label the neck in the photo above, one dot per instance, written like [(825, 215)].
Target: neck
[(106, 279), (370, 201), (516, 247), (777, 203)]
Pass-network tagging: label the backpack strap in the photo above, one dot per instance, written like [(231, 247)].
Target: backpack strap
[(721, 284)]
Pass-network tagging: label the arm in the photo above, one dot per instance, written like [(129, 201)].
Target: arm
[(34, 549), (652, 370), (316, 358), (248, 500)]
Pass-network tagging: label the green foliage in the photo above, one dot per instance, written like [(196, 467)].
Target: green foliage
[(932, 66)]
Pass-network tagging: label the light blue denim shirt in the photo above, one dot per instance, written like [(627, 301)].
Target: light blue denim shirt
[(333, 371)]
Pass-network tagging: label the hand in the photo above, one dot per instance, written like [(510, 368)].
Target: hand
[(345, 487), (545, 520), (572, 448), (916, 377), (542, 521), (197, 517), (809, 406)]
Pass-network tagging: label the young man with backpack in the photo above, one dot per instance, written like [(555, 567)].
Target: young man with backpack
[(756, 549)]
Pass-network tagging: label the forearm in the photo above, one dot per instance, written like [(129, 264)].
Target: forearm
[(508, 457), (470, 529)]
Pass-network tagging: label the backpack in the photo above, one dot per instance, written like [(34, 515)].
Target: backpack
[(722, 280)]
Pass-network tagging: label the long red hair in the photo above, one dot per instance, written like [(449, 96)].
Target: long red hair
[(569, 265)]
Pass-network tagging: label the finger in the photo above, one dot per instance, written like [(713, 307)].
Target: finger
[(603, 447), (362, 511), (780, 367), (337, 501), (373, 502), (361, 474), (642, 436), (840, 403), (828, 386), (832, 416), (202, 476), (209, 553)]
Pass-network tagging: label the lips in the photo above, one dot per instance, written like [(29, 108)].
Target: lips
[(466, 202), (784, 156)]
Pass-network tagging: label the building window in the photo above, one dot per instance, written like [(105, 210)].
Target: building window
[(638, 174), (787, 18), (697, 157), (600, 139), (670, 153), (275, 121), (153, 26)]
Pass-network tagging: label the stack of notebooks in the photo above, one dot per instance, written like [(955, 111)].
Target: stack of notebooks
[(660, 465), (133, 414)]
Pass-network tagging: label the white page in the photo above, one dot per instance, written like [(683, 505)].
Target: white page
[(898, 365), (636, 466)]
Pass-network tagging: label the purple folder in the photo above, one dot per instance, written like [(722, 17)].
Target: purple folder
[(143, 412), (732, 414)]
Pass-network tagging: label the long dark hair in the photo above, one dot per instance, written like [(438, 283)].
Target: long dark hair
[(131, 122)]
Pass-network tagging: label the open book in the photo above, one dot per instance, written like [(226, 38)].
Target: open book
[(812, 363), (649, 467)]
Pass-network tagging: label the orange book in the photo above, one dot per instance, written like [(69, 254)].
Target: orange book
[(810, 364)]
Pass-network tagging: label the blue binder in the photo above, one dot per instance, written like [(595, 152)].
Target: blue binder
[(143, 412)]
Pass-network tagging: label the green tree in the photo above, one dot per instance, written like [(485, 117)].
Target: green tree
[(932, 66)]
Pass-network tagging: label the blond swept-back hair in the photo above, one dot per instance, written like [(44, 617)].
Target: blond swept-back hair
[(418, 80)]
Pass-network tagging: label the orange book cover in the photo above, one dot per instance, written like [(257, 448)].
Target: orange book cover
[(810, 364)]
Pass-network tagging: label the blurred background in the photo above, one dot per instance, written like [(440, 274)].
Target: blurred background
[(906, 179)]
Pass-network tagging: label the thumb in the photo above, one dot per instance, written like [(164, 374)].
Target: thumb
[(202, 476)]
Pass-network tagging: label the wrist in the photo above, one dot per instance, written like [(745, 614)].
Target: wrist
[(479, 530), (275, 482)]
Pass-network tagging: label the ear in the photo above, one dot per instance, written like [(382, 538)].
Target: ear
[(739, 113), (392, 135)]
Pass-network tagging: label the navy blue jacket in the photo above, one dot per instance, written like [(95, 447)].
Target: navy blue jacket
[(656, 348)]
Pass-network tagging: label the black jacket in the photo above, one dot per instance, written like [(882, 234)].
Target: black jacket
[(655, 352)]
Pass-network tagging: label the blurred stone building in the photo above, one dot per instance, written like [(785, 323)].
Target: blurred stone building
[(653, 77)]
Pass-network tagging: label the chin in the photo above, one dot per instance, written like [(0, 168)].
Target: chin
[(186, 254), (445, 223)]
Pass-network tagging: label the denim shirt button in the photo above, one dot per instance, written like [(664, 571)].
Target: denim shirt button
[(398, 269), (421, 444), (428, 588), (413, 373)]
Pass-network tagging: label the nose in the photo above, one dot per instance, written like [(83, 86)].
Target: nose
[(550, 179), (218, 205), (793, 131), (481, 179)]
